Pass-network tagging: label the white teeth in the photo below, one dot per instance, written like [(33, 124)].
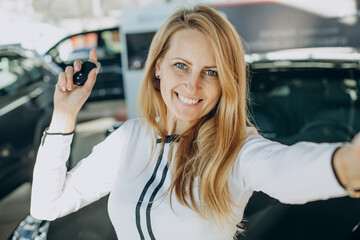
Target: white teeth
[(188, 101)]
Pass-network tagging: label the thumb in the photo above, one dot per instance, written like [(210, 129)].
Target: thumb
[(89, 84)]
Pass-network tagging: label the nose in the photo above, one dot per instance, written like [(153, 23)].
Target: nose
[(194, 82)]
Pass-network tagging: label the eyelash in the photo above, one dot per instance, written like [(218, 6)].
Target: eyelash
[(181, 65), (210, 73)]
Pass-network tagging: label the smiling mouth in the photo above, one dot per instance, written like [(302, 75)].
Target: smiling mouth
[(188, 100)]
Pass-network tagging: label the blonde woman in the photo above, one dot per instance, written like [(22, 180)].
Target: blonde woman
[(188, 167)]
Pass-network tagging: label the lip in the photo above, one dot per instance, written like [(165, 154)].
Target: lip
[(188, 104)]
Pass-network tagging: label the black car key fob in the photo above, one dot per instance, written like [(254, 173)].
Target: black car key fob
[(80, 77)]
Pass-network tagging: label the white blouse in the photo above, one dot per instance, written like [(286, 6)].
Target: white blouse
[(139, 207)]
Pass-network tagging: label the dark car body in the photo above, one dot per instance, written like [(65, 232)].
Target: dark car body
[(109, 83), (26, 93), (304, 95)]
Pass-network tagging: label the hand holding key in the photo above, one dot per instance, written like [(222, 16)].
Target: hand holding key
[(72, 90)]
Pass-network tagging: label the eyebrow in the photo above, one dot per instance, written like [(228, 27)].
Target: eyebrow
[(189, 63)]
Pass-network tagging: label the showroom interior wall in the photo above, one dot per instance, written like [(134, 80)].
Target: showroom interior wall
[(31, 21)]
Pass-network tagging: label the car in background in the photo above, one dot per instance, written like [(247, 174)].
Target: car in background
[(109, 84), (90, 222), (300, 95), (304, 95), (26, 94), (297, 91)]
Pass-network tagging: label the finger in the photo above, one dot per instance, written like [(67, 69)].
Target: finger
[(93, 56), (61, 84), (77, 65), (89, 84), (69, 70)]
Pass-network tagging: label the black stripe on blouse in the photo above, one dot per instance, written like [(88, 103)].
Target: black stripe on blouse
[(168, 139), (141, 199), (148, 209)]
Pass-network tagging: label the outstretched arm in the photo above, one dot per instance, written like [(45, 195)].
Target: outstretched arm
[(293, 174)]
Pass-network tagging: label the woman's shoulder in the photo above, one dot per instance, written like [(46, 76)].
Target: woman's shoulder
[(251, 132), (134, 127), (132, 123), (136, 124)]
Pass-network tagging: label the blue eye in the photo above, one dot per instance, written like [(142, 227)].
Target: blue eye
[(211, 73), (180, 65)]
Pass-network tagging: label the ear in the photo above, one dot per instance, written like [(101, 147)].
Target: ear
[(157, 67)]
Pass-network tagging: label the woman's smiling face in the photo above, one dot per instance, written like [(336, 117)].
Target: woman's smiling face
[(189, 84)]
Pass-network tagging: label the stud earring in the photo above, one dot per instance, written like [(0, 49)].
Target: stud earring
[(157, 83)]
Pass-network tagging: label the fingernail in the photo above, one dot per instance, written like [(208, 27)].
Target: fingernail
[(63, 88), (77, 67), (97, 71), (69, 87)]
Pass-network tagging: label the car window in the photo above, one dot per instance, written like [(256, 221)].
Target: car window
[(8, 78), (16, 72), (107, 44), (111, 43), (32, 69)]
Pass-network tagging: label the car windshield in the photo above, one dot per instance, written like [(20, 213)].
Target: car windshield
[(289, 96)]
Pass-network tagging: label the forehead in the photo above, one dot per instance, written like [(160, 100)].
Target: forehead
[(192, 45)]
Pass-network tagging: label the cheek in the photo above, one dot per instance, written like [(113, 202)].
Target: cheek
[(165, 88), (168, 82), (216, 98), (216, 91), (166, 91)]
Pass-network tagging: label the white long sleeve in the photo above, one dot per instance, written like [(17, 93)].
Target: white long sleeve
[(297, 174), (55, 192)]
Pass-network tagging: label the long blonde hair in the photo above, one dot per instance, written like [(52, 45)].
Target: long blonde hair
[(207, 151)]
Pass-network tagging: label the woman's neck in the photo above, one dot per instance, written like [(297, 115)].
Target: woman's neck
[(175, 126)]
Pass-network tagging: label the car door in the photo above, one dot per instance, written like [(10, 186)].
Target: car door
[(25, 98)]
